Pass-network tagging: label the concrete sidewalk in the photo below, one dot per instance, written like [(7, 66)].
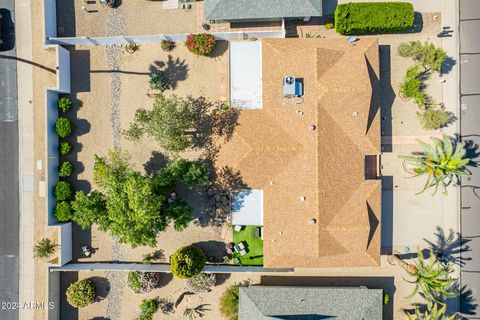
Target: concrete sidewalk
[(26, 151)]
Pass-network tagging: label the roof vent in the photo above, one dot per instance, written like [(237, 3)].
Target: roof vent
[(312, 127), (312, 221), (302, 198), (355, 114)]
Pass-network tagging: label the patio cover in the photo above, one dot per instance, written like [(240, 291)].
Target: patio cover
[(247, 208)]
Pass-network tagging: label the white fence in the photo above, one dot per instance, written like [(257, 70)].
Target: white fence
[(123, 40)]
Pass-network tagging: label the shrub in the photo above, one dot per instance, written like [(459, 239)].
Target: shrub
[(426, 54), (202, 282), (229, 303), (143, 282), (411, 87), (148, 307), (158, 82), (81, 293), (131, 48), (62, 191), (432, 118), (88, 208), (386, 298), (167, 45), (66, 169), (63, 127), (373, 17), (64, 104), (329, 25), (44, 249), (65, 148), (63, 211), (201, 43), (187, 262)]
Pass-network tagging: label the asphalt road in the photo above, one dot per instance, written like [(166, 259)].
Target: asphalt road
[(9, 192), (470, 130)]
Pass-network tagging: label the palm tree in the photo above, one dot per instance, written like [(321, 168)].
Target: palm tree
[(443, 162), (430, 277), (44, 249), (432, 313)]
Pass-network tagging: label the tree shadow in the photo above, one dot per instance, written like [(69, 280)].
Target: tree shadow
[(472, 152), (448, 65), (448, 247), (220, 48), (156, 162), (102, 287), (214, 250), (174, 70), (467, 301), (221, 278)]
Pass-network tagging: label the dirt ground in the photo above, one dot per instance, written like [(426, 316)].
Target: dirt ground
[(127, 306), (105, 102), (132, 17)]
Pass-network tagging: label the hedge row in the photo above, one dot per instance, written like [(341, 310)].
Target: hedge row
[(373, 17)]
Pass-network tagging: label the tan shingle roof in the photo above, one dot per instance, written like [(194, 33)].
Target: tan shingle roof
[(274, 150)]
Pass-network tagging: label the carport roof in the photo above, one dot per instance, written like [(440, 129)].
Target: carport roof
[(261, 9)]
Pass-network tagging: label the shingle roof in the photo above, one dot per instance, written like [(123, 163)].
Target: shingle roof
[(273, 150), (308, 303), (261, 9)]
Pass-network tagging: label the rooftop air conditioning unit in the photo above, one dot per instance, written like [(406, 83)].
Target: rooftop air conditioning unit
[(292, 87)]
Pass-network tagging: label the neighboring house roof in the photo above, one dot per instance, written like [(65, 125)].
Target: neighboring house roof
[(317, 174), (247, 208), (309, 303), (261, 9)]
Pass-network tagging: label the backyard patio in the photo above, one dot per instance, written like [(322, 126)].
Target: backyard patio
[(251, 239)]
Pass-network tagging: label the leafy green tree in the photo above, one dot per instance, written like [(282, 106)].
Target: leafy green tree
[(62, 191), (443, 162), (66, 169), (193, 173), (432, 279), (63, 127), (88, 209), (65, 148), (187, 262), (180, 212), (63, 211), (44, 249), (229, 303), (432, 313), (169, 123), (64, 104), (81, 293)]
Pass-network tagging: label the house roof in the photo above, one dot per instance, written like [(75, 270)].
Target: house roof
[(261, 9), (319, 210), (308, 303)]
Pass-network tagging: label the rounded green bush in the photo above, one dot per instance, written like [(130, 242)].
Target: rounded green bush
[(65, 148), (81, 293), (62, 191), (63, 127), (201, 43), (64, 104), (187, 262), (63, 211), (65, 169)]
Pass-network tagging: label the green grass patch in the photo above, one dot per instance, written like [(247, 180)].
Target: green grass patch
[(254, 246)]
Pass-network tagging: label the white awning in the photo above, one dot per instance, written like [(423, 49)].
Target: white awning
[(247, 208), (246, 74)]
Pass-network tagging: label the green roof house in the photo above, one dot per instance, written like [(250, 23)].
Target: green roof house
[(309, 303), (261, 10)]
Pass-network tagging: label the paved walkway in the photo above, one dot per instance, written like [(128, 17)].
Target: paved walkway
[(27, 166)]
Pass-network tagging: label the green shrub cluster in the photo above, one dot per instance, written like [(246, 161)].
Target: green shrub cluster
[(373, 17), (65, 148), (147, 308), (64, 104), (201, 44), (167, 45), (62, 191), (65, 169), (158, 81), (63, 127), (187, 262), (433, 118), (229, 303), (411, 87), (63, 211), (81, 293), (426, 54)]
